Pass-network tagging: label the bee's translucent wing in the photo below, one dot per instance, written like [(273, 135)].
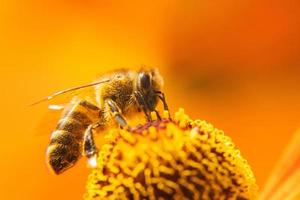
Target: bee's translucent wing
[(56, 107), (57, 102), (79, 90)]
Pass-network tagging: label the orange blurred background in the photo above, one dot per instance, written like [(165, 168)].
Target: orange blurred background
[(232, 63)]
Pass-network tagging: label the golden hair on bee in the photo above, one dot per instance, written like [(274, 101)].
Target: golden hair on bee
[(116, 96)]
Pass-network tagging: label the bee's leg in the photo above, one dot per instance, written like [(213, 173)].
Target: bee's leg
[(139, 97), (162, 97), (157, 115), (116, 111), (89, 147)]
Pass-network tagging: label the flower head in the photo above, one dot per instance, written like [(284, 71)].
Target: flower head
[(171, 159)]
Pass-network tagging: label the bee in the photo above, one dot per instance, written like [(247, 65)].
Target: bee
[(115, 96)]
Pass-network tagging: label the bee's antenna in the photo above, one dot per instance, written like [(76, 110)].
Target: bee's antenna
[(68, 90)]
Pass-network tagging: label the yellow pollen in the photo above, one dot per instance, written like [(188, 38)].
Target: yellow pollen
[(153, 115), (170, 159)]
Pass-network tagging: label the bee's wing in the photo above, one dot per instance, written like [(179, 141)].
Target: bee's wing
[(50, 111), (57, 102), (69, 93), (56, 107)]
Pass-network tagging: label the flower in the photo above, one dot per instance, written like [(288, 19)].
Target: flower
[(170, 159), (284, 181)]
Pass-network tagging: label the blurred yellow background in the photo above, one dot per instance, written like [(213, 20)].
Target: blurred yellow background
[(232, 63)]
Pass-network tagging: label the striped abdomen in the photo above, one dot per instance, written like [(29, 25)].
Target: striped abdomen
[(65, 146)]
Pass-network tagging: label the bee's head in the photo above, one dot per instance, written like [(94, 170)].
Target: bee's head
[(148, 83)]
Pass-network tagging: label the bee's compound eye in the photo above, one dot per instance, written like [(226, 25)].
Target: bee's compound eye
[(144, 80)]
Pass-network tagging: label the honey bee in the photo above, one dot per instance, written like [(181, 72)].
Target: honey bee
[(115, 96)]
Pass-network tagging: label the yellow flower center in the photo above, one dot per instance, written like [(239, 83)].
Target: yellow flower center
[(170, 159)]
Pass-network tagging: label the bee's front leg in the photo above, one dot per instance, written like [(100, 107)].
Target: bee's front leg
[(162, 97), (116, 112), (141, 101)]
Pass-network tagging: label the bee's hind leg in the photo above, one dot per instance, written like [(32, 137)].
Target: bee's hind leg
[(89, 147)]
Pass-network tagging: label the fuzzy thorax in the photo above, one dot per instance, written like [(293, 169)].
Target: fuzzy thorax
[(178, 159)]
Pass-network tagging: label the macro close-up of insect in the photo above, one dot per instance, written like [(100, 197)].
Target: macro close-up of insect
[(150, 100), (114, 97)]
